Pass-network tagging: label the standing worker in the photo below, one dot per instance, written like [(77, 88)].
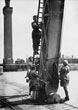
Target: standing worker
[(64, 79), (36, 35), (34, 82)]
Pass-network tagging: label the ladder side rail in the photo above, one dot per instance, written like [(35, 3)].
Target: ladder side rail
[(38, 11)]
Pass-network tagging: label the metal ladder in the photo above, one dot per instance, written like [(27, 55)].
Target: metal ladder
[(39, 20), (40, 17), (40, 11)]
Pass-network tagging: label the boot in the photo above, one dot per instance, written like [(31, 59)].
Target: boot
[(66, 98)]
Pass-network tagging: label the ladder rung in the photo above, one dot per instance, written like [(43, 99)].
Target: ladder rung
[(45, 15), (39, 22), (39, 46), (41, 2), (40, 17), (41, 7), (40, 12)]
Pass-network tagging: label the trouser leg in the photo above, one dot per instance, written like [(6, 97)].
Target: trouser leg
[(66, 92)]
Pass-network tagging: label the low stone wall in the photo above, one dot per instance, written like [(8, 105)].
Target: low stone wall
[(73, 67), (14, 67), (1, 70)]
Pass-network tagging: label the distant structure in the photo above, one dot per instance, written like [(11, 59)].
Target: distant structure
[(7, 11)]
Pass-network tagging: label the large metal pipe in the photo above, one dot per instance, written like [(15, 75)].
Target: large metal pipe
[(51, 42)]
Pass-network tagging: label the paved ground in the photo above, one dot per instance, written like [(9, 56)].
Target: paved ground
[(13, 83)]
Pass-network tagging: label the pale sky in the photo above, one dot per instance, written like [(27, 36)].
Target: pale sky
[(70, 28), (23, 10)]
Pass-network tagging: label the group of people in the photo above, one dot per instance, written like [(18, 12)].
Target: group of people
[(34, 79)]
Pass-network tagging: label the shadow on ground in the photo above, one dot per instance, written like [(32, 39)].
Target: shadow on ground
[(15, 101)]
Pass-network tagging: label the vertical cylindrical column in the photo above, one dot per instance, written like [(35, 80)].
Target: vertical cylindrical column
[(51, 41), (55, 28), (8, 58)]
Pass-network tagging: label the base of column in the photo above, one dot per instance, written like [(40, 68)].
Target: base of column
[(8, 61)]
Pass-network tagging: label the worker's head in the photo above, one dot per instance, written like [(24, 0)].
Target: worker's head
[(31, 58), (33, 67), (35, 17), (65, 62)]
